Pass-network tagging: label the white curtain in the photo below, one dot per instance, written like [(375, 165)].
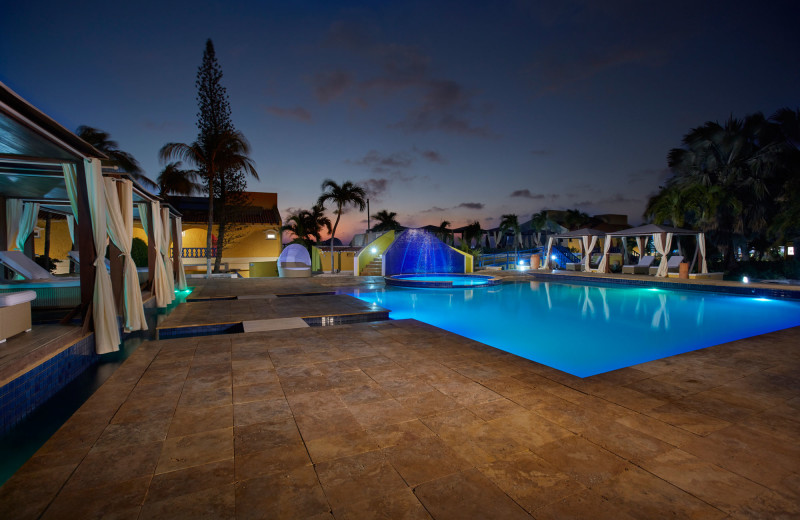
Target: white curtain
[(71, 227), (166, 237), (701, 245), (549, 252), (588, 247), (106, 329), (641, 244), (120, 229), (30, 212), (179, 240), (143, 215), (603, 267), (160, 285), (13, 216), (663, 249)]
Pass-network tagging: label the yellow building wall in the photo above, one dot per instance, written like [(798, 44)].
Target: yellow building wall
[(347, 259), (60, 241), (252, 241)]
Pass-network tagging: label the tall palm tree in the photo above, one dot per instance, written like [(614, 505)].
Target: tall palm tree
[(305, 225), (386, 221), (318, 220), (575, 219), (226, 151), (471, 232), (510, 222), (102, 141), (174, 181), (538, 223), (443, 232), (346, 194)]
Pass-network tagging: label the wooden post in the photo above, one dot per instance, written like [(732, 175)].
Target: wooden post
[(85, 240), (176, 253), (116, 275), (151, 247)]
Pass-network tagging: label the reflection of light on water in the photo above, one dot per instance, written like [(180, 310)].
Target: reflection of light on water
[(662, 314)]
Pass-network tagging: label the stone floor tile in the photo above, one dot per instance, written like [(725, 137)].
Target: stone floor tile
[(102, 466), (279, 459), (428, 403), (378, 413), (708, 482), (195, 420), (353, 479), (206, 398), (190, 480), (325, 424), (400, 433), (146, 409), (128, 433), (402, 505), (261, 436), (496, 409), (293, 494), (338, 446), (529, 430), (361, 394), (425, 460), (195, 450), (216, 503), (118, 500), (687, 418), (467, 495), (770, 504), (625, 442), (582, 460), (315, 402), (257, 392), (530, 480), (28, 493), (457, 419), (270, 410)]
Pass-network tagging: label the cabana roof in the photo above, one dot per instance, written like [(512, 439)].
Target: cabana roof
[(650, 229), (583, 232)]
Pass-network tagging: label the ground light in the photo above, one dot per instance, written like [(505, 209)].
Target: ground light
[(745, 279)]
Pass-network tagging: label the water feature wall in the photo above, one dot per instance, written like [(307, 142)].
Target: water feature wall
[(417, 251)]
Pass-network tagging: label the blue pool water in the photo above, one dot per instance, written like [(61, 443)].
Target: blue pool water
[(587, 330), (461, 280), (440, 280)]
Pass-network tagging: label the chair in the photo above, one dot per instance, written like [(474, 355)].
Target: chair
[(294, 262), (641, 268), (673, 264), (24, 266), (15, 313)]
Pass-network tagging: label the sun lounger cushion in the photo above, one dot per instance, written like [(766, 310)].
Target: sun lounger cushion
[(15, 313), (15, 298)]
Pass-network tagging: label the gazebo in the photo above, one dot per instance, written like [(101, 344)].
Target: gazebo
[(662, 239), (45, 166), (588, 240)]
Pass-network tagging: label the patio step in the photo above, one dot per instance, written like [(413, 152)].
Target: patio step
[(374, 268)]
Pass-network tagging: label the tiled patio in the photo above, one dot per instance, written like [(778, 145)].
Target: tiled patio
[(398, 419)]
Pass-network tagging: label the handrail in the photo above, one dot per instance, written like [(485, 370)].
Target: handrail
[(195, 252)]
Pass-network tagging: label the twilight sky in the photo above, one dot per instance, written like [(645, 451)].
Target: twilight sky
[(443, 110)]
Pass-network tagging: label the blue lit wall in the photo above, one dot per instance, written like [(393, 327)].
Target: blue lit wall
[(418, 251)]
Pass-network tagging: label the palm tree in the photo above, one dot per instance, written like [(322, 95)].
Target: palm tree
[(538, 223), (575, 219), (347, 194), (443, 232), (386, 221), (510, 222), (174, 181), (305, 225), (226, 151), (471, 232), (318, 220), (102, 141)]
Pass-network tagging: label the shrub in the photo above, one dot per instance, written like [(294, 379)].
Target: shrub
[(139, 252)]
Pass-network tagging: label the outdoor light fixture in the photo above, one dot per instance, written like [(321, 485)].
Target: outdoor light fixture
[(745, 279), (373, 250), (553, 257)]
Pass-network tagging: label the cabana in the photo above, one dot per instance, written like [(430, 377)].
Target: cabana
[(294, 262), (44, 166), (662, 239), (588, 240)]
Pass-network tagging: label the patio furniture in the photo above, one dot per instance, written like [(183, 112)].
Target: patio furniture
[(294, 262), (642, 267), (15, 313), (24, 266), (673, 264)]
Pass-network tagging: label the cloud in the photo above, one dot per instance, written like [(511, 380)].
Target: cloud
[(526, 194), (298, 113), (330, 85), (380, 163), (434, 209), (437, 103), (375, 188), (431, 155), (471, 205)]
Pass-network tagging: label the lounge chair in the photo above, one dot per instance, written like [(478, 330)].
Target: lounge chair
[(294, 262), (641, 268), (15, 313), (673, 264), (24, 266)]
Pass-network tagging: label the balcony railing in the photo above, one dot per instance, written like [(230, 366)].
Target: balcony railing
[(196, 252)]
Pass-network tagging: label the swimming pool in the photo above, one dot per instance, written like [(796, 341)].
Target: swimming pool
[(441, 280), (588, 330)]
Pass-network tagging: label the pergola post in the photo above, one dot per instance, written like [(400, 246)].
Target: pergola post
[(85, 241), (151, 247), (176, 252)]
